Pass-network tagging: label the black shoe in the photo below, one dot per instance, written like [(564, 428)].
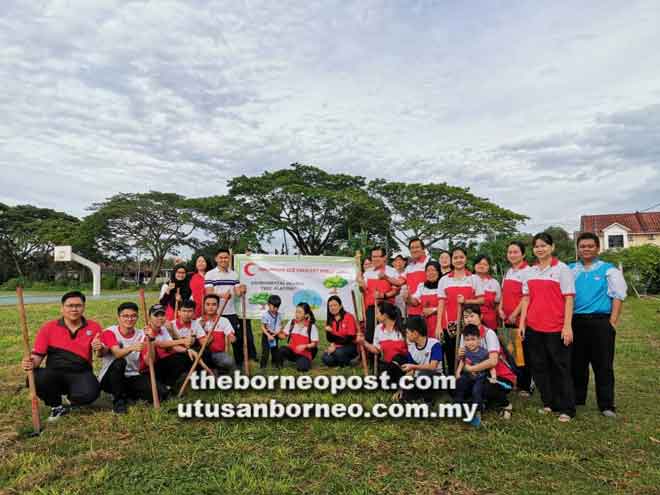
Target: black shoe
[(119, 406), (57, 412)]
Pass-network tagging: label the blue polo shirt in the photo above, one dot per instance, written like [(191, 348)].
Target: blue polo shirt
[(596, 287), (273, 322)]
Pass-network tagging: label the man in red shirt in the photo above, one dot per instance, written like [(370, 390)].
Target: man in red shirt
[(382, 279), (67, 344)]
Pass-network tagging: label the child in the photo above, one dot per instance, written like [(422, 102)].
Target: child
[(472, 383), (216, 355), (302, 337), (271, 326)]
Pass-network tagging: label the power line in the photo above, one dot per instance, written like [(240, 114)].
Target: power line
[(652, 206)]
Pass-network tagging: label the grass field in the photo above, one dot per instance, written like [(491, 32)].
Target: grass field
[(94, 451)]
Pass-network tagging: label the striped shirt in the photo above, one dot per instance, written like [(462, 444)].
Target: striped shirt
[(223, 282)]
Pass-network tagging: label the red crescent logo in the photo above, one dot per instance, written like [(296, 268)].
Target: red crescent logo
[(246, 269)]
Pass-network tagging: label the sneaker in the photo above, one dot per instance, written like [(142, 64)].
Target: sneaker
[(564, 418), (608, 413), (57, 412), (119, 406), (506, 412), (545, 410), (476, 421)]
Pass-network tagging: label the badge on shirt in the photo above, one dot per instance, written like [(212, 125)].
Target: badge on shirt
[(88, 333)]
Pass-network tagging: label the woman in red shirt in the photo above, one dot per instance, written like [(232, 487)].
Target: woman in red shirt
[(427, 296), (490, 289), (340, 331), (197, 284), (459, 287)]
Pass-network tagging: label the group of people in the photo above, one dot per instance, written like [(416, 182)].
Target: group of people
[(415, 310)]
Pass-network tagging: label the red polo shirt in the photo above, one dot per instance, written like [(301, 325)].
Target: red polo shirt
[(374, 283), (415, 274), (64, 349), (547, 289), (450, 287), (512, 288), (346, 328)]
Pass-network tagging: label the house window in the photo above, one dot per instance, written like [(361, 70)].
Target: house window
[(615, 241)]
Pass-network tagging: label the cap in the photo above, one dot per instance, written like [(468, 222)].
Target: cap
[(155, 309)]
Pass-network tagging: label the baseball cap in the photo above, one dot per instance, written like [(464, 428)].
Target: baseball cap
[(155, 309)]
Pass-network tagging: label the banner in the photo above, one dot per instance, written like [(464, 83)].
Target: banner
[(296, 279)]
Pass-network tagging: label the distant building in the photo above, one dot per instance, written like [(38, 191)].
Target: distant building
[(622, 230)]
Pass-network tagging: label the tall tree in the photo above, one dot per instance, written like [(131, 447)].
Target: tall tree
[(226, 222), (436, 212), (155, 222), (28, 233), (313, 207)]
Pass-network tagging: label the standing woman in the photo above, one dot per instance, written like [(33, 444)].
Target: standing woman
[(196, 284), (511, 306), (389, 341), (545, 321), (426, 296), (445, 263), (459, 287), (490, 288), (177, 289), (341, 331)]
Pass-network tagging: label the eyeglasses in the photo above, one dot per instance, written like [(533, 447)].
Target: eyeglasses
[(74, 306)]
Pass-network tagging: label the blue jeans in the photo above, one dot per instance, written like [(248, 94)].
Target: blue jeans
[(470, 387)]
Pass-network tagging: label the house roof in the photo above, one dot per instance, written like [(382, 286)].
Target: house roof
[(637, 223)]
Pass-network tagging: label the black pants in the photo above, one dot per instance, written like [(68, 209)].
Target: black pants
[(551, 370), (267, 350), (80, 387), (427, 395), (172, 368), (393, 368), (449, 352), (495, 394), (524, 381), (286, 354), (341, 357), (593, 343), (371, 321), (129, 387), (238, 344)]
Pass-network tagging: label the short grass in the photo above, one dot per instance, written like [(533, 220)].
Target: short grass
[(94, 451)]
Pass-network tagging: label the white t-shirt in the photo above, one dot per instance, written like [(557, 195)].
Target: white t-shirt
[(195, 329), (132, 359), (432, 351)]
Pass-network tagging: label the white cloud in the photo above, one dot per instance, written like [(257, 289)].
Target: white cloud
[(531, 106)]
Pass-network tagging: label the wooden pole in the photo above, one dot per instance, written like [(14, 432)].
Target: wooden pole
[(151, 352), (209, 338), (27, 353), (459, 331), (363, 353), (246, 361)]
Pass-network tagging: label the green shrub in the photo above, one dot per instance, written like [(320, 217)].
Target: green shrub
[(641, 266)]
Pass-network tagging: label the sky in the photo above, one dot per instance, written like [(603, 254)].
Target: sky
[(551, 109)]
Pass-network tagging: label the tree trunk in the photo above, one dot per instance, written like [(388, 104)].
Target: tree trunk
[(156, 271)]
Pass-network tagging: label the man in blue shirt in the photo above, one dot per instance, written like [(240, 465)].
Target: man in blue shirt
[(599, 293)]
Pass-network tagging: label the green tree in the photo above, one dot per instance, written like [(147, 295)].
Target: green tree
[(28, 234), (155, 222), (226, 222), (437, 212), (318, 210)]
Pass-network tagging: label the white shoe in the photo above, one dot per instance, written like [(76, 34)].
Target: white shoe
[(564, 418), (609, 413), (506, 412), (57, 412), (545, 410)]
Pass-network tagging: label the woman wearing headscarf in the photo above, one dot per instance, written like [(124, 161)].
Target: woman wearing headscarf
[(177, 289), (426, 296)]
